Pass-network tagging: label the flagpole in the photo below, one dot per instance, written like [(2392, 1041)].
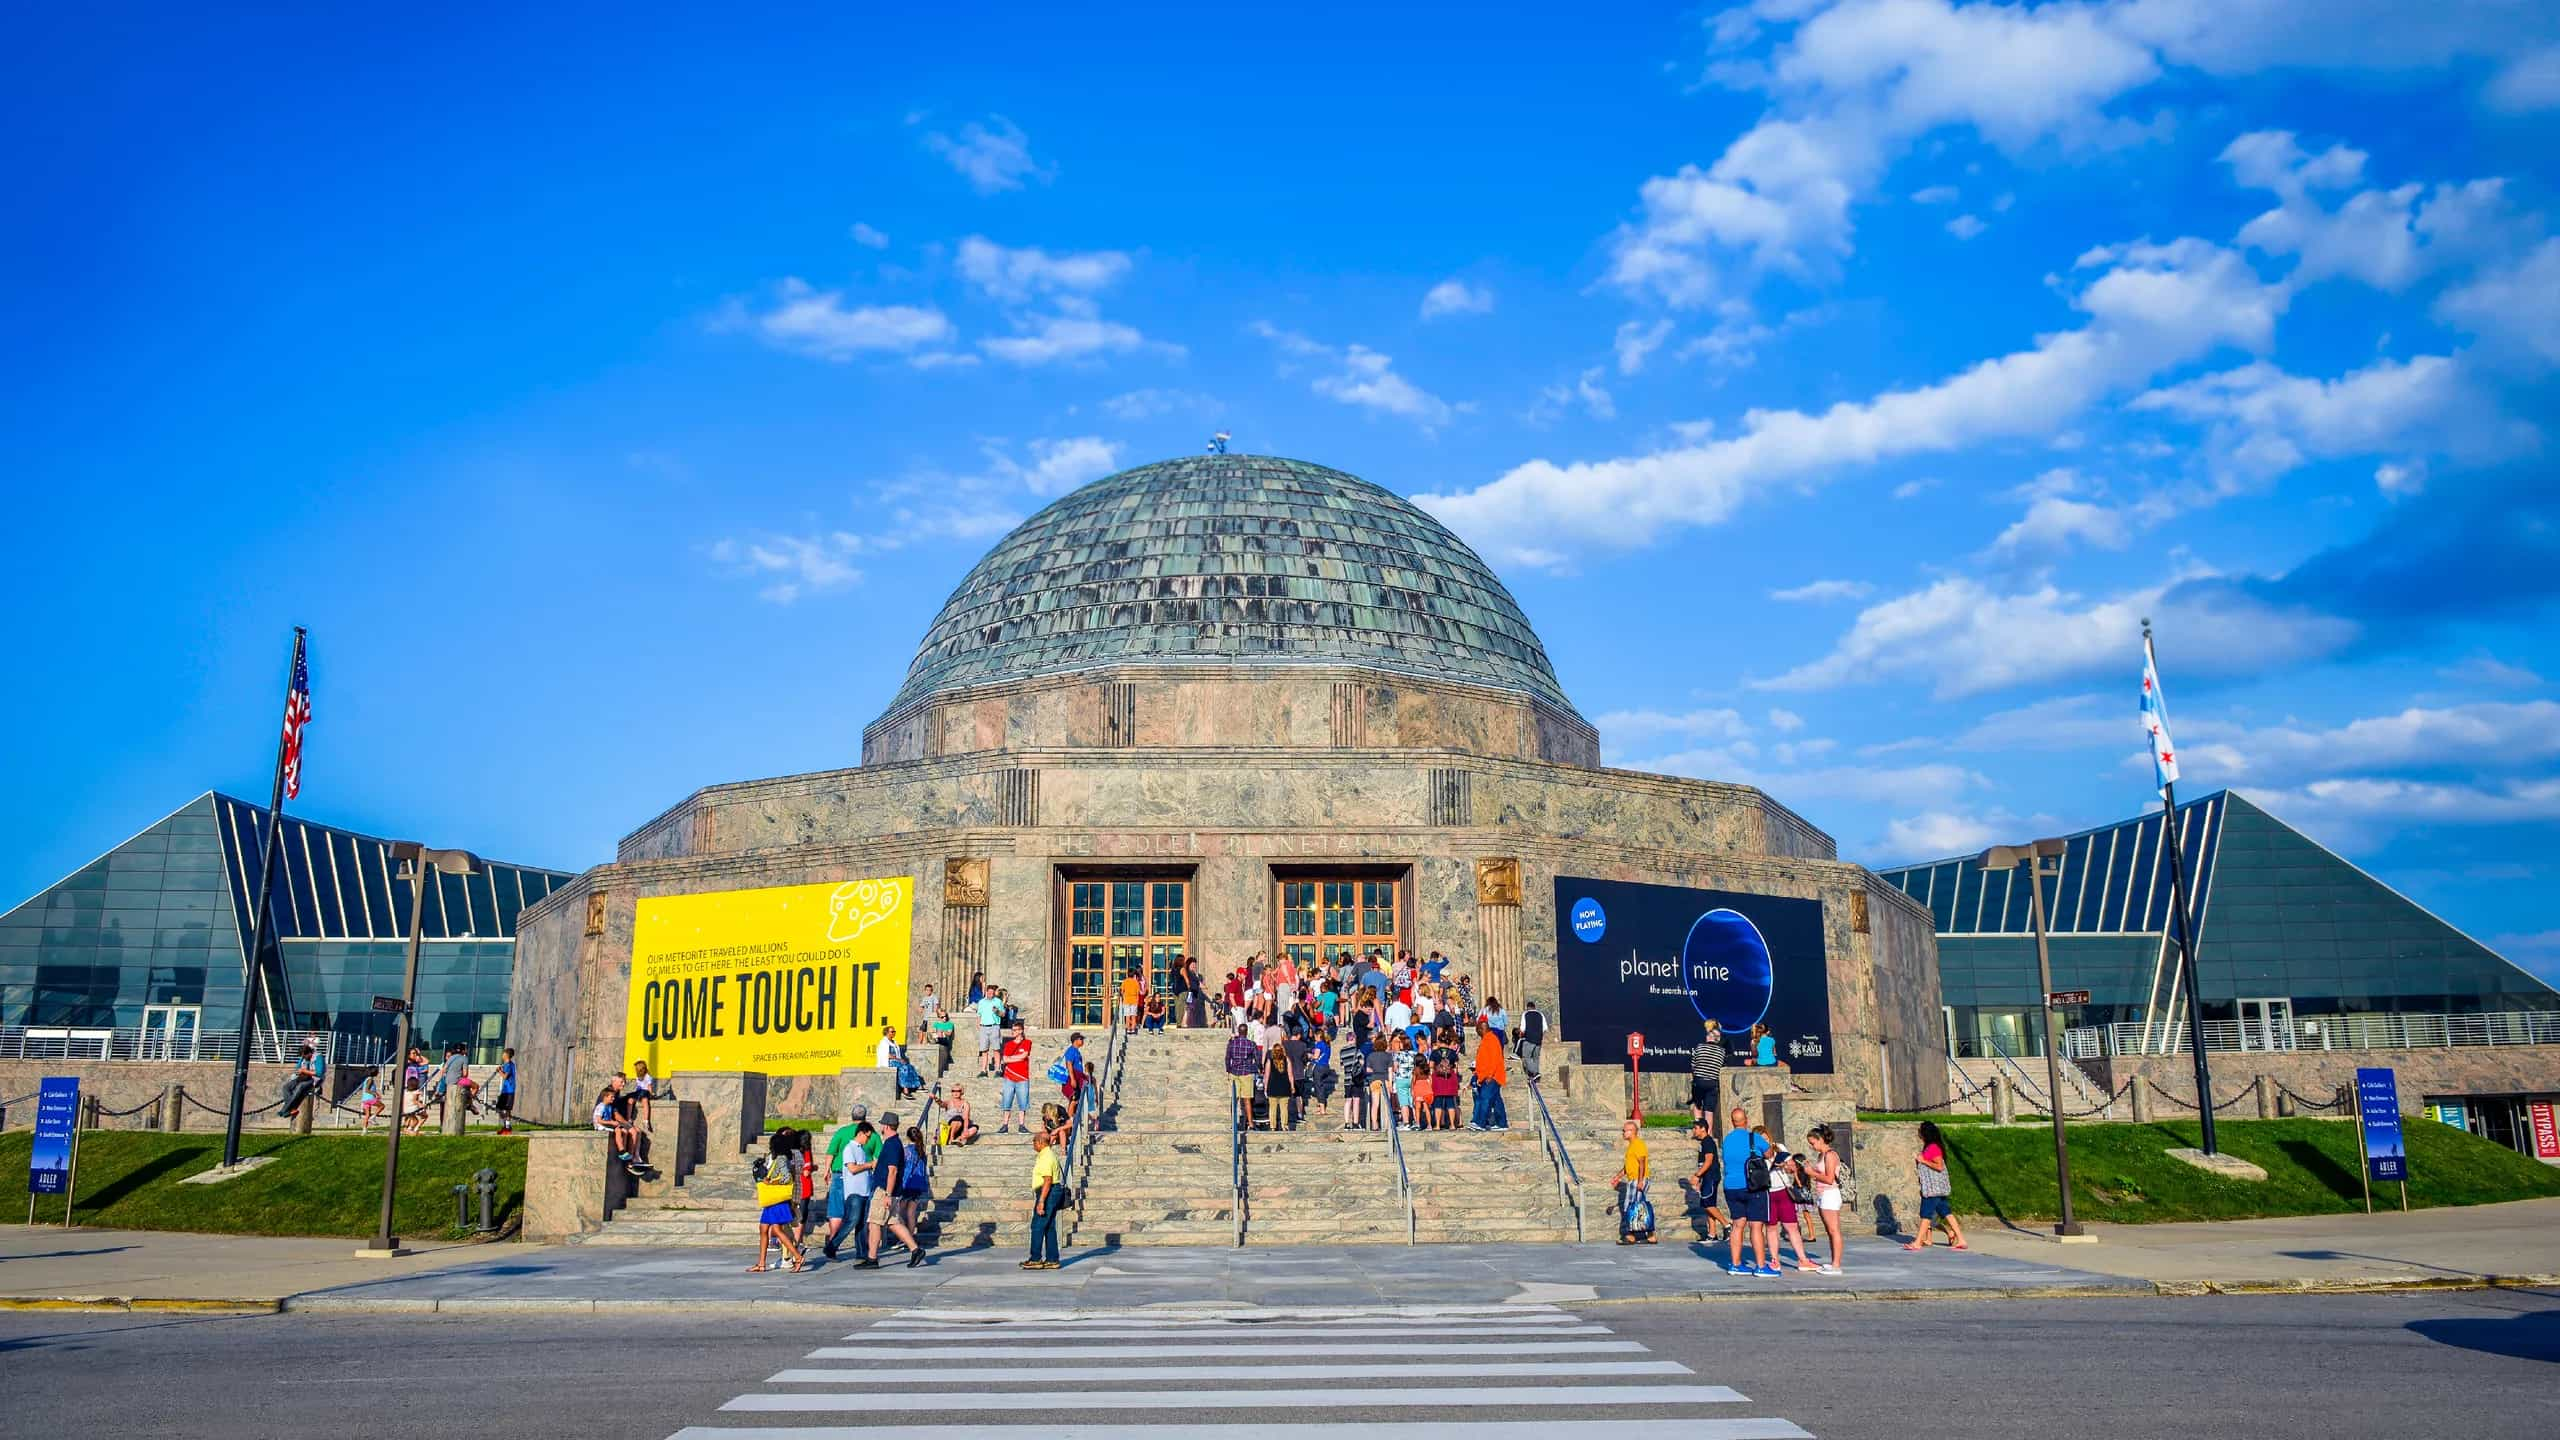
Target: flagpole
[(2186, 941), (262, 920)]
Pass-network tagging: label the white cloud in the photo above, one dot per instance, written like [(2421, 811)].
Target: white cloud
[(793, 565), (2351, 813), (1636, 340), (1961, 637), (2487, 735), (1965, 227), (1074, 330), (1636, 727), (2487, 669), (2384, 238), (2052, 523), (2061, 722), (1913, 489), (992, 156), (2400, 481), (1147, 404), (1058, 466), (2267, 422), (1455, 297), (2233, 37), (2516, 306), (1785, 722), (1940, 833), (2150, 306), (869, 238), (1554, 400), (1815, 590), (2529, 82), (1934, 195), (810, 321), (1360, 376), (1017, 276)]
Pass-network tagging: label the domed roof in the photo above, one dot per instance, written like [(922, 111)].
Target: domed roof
[(1242, 559)]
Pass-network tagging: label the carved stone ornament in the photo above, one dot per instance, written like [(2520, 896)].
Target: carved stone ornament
[(1498, 881), (595, 912), (964, 881)]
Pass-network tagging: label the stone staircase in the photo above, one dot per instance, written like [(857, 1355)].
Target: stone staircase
[(1160, 1172), (979, 1191)]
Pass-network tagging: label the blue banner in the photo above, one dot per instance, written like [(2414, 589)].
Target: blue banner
[(2378, 1102), (57, 1110)]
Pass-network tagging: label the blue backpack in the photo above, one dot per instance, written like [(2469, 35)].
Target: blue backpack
[(912, 1177)]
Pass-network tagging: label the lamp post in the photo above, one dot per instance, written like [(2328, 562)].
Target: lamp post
[(417, 863), (2033, 856)]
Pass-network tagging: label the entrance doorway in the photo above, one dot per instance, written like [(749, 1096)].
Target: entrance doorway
[(1119, 924), (2266, 1024), (1328, 917), (169, 1031)]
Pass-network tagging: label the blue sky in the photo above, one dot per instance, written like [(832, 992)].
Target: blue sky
[(616, 395)]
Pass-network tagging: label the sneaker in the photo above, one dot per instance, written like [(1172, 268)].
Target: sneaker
[(875, 1264), (1826, 1270), (1771, 1272)]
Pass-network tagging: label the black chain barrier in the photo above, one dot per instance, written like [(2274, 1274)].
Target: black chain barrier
[(2305, 1102)]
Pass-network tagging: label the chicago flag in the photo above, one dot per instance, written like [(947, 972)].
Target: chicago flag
[(2155, 722)]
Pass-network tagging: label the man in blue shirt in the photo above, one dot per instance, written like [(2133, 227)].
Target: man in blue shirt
[(1749, 1207)]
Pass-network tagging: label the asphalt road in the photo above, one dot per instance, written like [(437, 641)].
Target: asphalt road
[(2332, 1367)]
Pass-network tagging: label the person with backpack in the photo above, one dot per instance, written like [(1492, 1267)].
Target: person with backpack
[(1635, 1171), (777, 1180), (915, 1186), (1823, 1173), (1532, 1040), (1745, 1158), (1786, 1192), (889, 1171), (1070, 1071), (1708, 1191)]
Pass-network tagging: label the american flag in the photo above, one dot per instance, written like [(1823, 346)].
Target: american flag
[(2155, 721), (297, 713)]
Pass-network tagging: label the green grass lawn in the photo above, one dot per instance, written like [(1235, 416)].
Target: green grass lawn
[(815, 1124), (317, 1184), (2121, 1173)]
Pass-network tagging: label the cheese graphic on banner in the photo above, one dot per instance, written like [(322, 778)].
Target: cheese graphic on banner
[(793, 980)]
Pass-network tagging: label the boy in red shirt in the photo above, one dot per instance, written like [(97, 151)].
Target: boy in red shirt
[(1014, 1092)]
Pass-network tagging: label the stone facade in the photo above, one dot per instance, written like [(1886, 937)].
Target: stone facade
[(125, 1084), (1236, 673)]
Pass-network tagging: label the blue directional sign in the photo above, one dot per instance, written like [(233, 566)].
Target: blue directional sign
[(57, 1110), (2378, 1102)]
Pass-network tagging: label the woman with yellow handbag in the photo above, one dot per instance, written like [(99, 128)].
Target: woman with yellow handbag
[(777, 1174)]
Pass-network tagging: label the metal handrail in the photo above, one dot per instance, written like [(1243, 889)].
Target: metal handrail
[(1088, 1117), (1404, 1180), (1241, 1110), (137, 1042), (1568, 1180)]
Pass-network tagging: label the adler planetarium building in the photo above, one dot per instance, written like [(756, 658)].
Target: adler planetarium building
[(1235, 705)]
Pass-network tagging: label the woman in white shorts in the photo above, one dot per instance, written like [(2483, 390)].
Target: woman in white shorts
[(1822, 1171)]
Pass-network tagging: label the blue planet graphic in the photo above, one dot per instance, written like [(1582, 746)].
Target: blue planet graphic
[(1725, 965)]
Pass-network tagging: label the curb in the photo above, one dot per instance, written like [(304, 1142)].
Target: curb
[(324, 1304), (140, 1303)]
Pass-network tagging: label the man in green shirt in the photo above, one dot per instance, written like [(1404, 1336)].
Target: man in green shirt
[(850, 1152)]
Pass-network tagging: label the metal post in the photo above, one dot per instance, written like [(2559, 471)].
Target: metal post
[(2052, 1047), (383, 1239), (262, 926), (2185, 919)]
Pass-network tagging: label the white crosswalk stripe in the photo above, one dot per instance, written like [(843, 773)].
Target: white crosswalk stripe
[(925, 1370)]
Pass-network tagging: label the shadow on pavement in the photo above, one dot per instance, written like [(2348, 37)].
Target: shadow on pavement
[(67, 1254), (2534, 1335)]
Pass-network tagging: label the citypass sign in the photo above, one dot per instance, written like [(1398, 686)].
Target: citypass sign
[(792, 980), (2546, 1131), (1637, 961)]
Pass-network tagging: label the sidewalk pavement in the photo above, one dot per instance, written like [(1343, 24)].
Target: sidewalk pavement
[(2516, 1243), (42, 1263)]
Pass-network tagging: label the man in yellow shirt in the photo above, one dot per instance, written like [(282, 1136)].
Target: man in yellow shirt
[(1048, 1197), (1491, 1070), (1635, 1168)]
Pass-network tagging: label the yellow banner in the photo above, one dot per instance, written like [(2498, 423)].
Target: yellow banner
[(794, 980)]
